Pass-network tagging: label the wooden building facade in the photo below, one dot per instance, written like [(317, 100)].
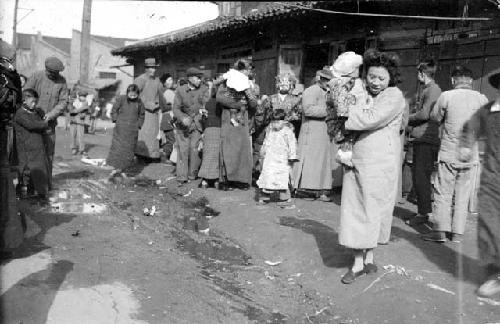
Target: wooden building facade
[(302, 37)]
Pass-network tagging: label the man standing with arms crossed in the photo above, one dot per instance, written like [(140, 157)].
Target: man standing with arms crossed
[(425, 135), (53, 91)]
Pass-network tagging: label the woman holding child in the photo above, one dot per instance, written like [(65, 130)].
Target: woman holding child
[(370, 185), (237, 99)]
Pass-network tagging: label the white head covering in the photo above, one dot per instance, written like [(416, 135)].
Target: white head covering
[(346, 63), (236, 80)]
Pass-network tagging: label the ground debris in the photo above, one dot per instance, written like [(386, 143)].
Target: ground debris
[(272, 263), (436, 287)]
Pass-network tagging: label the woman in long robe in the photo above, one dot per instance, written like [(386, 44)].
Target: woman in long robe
[(236, 147), (369, 188), (128, 116)]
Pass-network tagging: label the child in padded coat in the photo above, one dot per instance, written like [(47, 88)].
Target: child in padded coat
[(279, 152), (346, 89), (237, 81), (30, 127)]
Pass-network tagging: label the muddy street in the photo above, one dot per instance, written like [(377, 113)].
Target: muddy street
[(144, 250)]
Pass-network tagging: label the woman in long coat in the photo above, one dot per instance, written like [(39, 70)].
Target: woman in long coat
[(486, 122), (128, 116), (236, 147), (313, 171), (369, 188)]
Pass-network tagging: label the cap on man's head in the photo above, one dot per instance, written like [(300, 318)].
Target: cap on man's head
[(192, 71), (494, 80), (150, 62), (325, 73), (52, 63), (82, 93)]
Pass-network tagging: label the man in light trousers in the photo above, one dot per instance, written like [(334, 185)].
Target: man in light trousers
[(453, 182)]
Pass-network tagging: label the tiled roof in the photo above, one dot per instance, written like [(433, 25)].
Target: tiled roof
[(272, 11)]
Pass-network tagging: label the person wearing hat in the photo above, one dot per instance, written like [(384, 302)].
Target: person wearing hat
[(78, 111), (151, 95), (53, 91), (189, 103), (346, 88), (453, 183), (312, 173), (485, 123)]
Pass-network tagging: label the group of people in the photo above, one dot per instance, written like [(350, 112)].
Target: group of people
[(345, 130)]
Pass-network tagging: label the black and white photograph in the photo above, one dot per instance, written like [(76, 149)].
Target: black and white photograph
[(185, 162)]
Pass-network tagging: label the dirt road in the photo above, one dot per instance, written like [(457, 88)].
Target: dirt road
[(94, 257)]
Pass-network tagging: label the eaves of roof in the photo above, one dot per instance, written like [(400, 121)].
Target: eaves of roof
[(218, 25)]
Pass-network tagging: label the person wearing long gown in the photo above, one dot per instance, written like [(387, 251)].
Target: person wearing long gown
[(128, 115)]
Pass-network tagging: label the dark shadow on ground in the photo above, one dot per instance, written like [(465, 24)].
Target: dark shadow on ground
[(332, 253), (30, 299), (44, 221), (442, 255), (80, 174)]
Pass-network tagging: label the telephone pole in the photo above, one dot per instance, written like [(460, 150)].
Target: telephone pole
[(14, 26), (85, 42)]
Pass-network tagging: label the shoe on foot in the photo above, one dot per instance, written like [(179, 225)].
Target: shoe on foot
[(418, 219), (490, 287), (370, 268), (203, 184), (325, 198), (351, 276), (436, 236), (456, 238)]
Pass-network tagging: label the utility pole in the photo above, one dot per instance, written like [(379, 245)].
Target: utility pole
[(14, 26), (85, 42)]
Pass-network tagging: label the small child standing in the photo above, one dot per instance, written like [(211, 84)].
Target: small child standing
[(78, 112), (33, 164), (279, 152)]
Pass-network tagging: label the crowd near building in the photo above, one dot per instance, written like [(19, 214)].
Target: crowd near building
[(300, 102)]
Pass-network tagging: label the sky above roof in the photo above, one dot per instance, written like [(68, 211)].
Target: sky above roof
[(115, 18)]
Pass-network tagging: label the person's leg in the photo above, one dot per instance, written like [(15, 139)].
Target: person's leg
[(182, 155), (194, 154), (425, 156), (357, 268), (80, 133), (73, 136), (444, 187), (50, 145), (169, 143), (462, 197)]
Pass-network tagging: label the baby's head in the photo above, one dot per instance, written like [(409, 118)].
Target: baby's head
[(244, 66), (82, 96), (347, 64), (30, 98), (279, 114)]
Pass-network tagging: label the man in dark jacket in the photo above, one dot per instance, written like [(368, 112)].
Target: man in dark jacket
[(188, 104), (11, 230), (53, 91), (425, 135)]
